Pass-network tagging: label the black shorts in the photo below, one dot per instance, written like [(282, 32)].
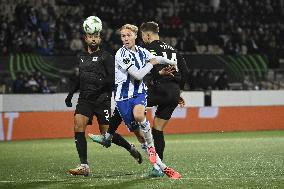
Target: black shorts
[(165, 96), (101, 111)]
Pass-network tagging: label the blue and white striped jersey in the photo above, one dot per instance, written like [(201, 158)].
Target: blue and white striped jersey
[(125, 85)]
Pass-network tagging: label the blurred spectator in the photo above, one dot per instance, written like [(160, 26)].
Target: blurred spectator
[(19, 84), (2, 86), (193, 26), (32, 85), (222, 82), (76, 44), (44, 88), (247, 83)]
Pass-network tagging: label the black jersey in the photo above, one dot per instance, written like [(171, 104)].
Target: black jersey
[(96, 76), (159, 48)]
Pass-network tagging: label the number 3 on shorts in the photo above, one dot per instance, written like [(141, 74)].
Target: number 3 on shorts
[(106, 115)]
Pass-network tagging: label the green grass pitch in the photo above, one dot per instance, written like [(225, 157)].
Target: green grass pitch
[(240, 160)]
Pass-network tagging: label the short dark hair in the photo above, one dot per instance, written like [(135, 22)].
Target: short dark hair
[(150, 26)]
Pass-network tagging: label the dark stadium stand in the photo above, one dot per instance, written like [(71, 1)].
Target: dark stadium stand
[(247, 37)]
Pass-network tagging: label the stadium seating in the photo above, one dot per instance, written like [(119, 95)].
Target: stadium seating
[(233, 28)]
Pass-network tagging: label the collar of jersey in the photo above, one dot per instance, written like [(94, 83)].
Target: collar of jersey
[(136, 48)]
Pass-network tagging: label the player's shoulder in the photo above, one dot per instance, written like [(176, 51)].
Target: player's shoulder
[(82, 57), (121, 52), (105, 53), (82, 54), (158, 46), (140, 48), (166, 46)]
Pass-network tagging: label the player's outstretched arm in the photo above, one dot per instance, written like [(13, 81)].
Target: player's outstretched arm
[(140, 73), (163, 60)]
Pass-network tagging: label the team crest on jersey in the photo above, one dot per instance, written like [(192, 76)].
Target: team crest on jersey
[(126, 61), (95, 59)]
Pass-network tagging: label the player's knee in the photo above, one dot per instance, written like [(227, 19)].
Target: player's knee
[(160, 123), (79, 125), (139, 117), (79, 128), (158, 127), (139, 113)]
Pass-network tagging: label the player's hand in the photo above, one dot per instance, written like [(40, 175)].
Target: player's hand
[(169, 70), (181, 102), (68, 101)]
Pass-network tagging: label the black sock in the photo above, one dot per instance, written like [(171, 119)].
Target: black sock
[(159, 142), (120, 141), (81, 145), (114, 122)]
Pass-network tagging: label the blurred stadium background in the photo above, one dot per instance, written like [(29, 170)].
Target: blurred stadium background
[(235, 53), (228, 44)]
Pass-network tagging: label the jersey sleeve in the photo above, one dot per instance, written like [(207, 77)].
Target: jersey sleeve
[(122, 62), (74, 86), (182, 66), (148, 55)]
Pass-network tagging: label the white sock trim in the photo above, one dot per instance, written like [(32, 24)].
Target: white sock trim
[(85, 165)]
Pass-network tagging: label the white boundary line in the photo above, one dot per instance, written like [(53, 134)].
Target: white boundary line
[(118, 179)]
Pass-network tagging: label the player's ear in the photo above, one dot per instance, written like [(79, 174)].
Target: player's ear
[(85, 37), (148, 36), (100, 40)]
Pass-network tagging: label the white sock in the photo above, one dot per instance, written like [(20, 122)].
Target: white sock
[(144, 147), (157, 167), (85, 165), (108, 136), (160, 163), (145, 126)]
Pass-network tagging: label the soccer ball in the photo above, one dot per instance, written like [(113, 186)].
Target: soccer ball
[(92, 25)]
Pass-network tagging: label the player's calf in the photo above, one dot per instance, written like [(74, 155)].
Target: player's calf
[(136, 154)]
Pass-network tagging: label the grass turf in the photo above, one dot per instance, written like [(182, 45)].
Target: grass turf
[(213, 160)]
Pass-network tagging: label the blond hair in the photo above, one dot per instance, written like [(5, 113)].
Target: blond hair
[(131, 27)]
